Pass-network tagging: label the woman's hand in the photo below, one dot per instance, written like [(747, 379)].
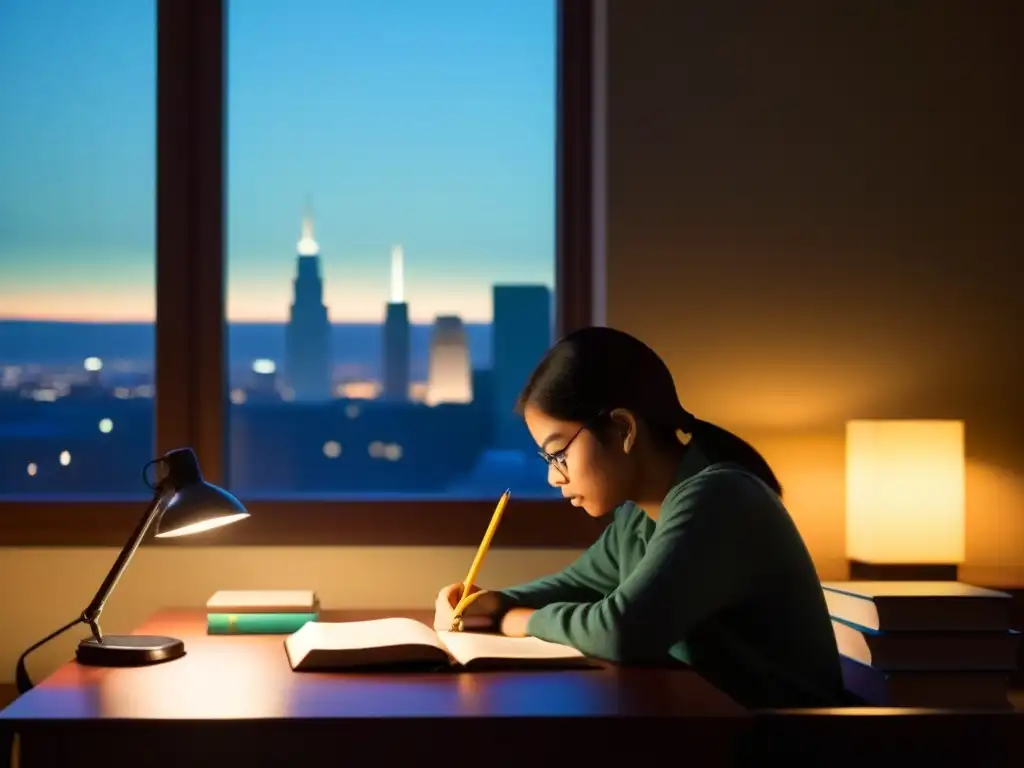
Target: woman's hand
[(514, 621), (481, 615)]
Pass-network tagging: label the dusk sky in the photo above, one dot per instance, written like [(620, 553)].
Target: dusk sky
[(425, 124)]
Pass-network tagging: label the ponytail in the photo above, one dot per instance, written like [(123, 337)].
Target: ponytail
[(721, 446), (595, 370)]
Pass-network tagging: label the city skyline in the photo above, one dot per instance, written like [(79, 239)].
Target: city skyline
[(419, 149)]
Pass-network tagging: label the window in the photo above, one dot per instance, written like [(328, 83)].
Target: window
[(240, 213), (391, 244), (77, 304)]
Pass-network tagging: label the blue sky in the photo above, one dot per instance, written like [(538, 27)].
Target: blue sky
[(425, 124)]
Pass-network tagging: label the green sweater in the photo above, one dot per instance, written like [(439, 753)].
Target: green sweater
[(721, 582)]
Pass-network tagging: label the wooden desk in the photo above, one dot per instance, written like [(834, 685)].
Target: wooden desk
[(233, 700)]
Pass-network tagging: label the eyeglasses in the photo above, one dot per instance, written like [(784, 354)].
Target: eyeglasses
[(557, 459)]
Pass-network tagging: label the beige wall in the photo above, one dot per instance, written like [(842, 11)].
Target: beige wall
[(816, 215), (811, 218)]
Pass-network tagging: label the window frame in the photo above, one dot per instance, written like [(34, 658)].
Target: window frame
[(191, 404)]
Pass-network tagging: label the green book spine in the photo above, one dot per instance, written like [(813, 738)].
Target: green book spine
[(256, 623)]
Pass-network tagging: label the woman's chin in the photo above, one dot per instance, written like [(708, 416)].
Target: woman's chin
[(588, 506), (593, 510)]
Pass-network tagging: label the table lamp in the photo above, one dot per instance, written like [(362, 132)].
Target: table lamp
[(905, 499), (182, 504)]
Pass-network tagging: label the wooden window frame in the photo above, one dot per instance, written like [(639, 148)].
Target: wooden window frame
[(191, 373)]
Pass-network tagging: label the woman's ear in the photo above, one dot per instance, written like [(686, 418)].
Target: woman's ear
[(624, 426)]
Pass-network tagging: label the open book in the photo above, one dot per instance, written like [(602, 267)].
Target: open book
[(385, 643)]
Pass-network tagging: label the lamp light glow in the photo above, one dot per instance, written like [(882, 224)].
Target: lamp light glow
[(202, 525), (905, 491)]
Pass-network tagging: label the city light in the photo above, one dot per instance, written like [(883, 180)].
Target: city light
[(93, 364), (65, 458), (332, 449), (106, 425), (307, 245), (360, 390), (264, 366), (32, 469), (381, 450)]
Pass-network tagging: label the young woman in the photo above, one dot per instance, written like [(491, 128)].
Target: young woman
[(701, 564)]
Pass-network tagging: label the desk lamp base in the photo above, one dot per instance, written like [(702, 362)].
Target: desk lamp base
[(129, 650)]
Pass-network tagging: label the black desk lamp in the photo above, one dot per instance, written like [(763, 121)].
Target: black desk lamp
[(183, 503)]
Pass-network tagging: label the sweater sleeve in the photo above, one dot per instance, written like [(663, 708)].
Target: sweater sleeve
[(701, 558), (591, 577)]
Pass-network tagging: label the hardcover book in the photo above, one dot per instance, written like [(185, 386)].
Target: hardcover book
[(398, 643)]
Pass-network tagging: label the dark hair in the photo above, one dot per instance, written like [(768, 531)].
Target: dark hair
[(595, 370)]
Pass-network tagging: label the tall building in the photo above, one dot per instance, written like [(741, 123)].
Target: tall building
[(483, 402), (449, 376), (308, 334), (520, 335), (395, 384)]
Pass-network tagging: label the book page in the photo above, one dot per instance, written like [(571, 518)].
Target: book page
[(466, 647), (268, 600), (356, 635)]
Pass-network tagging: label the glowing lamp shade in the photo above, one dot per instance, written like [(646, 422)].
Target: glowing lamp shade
[(905, 494), (197, 508)]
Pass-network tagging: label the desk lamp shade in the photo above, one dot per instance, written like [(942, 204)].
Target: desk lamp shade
[(196, 508), (905, 496)]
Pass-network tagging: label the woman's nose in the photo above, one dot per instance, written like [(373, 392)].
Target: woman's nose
[(555, 476)]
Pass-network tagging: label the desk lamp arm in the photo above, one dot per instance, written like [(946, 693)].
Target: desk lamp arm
[(91, 614)]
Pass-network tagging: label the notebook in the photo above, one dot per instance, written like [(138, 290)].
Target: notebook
[(400, 643)]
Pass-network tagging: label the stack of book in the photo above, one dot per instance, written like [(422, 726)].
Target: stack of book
[(259, 612), (923, 644)]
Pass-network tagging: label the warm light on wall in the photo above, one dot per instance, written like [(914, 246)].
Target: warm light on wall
[(905, 494)]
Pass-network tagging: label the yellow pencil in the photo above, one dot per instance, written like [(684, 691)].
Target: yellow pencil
[(474, 569)]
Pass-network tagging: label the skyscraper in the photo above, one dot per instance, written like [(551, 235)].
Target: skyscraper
[(308, 334), (520, 335), (395, 385), (450, 376)]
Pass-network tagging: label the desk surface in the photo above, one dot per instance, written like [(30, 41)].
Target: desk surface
[(248, 678), (234, 701)]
